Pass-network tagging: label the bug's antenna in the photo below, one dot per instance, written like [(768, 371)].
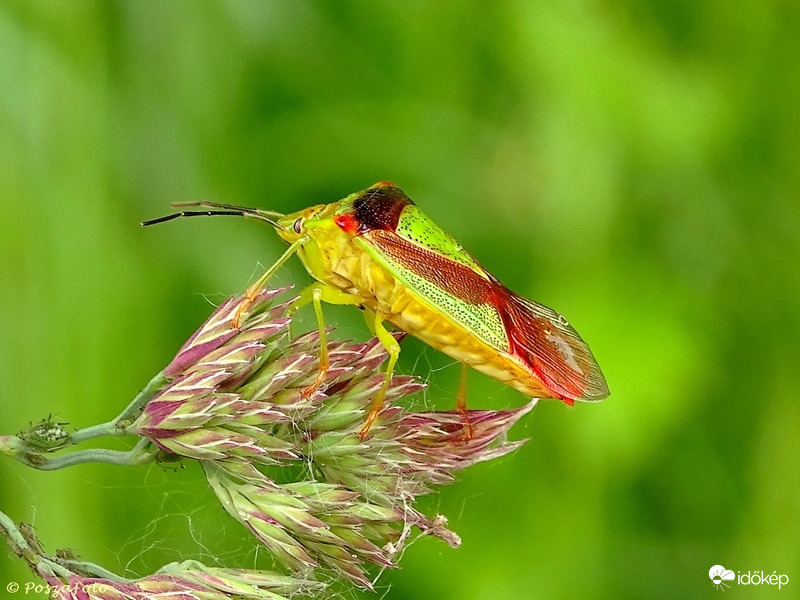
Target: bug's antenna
[(217, 209)]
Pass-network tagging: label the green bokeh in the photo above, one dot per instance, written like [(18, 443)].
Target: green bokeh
[(633, 164)]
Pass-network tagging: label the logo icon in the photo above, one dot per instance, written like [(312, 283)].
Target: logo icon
[(719, 575)]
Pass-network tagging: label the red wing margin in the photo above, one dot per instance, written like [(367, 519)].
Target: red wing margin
[(554, 350)]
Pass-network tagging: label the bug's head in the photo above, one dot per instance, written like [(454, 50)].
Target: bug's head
[(295, 225)]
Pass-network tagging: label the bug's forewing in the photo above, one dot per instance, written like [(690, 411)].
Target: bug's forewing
[(451, 288), (550, 345)]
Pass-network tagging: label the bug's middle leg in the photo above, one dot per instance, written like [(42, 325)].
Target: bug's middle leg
[(315, 294), (375, 323), (461, 403)]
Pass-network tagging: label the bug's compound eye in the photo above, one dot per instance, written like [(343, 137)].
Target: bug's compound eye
[(298, 226)]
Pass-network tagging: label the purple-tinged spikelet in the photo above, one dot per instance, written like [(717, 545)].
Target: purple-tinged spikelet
[(235, 401)]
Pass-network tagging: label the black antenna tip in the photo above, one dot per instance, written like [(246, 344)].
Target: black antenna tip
[(159, 220)]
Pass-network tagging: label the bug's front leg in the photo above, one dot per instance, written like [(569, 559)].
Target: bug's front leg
[(253, 291), (315, 294), (393, 348)]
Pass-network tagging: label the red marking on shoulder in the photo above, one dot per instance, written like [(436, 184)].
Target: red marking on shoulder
[(384, 184), (347, 223)]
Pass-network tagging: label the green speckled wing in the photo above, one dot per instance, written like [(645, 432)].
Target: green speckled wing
[(414, 226)]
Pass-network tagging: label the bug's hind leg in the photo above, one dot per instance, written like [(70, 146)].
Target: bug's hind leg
[(315, 294), (461, 403), (393, 348)]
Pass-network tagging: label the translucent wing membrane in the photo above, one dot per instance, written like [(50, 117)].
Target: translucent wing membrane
[(554, 350)]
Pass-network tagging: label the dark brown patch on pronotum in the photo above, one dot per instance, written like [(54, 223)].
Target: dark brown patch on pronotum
[(379, 207)]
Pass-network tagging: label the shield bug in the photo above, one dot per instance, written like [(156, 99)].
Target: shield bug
[(376, 249)]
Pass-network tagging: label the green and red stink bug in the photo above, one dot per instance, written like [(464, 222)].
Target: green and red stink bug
[(375, 249)]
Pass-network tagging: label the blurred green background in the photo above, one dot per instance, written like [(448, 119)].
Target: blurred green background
[(633, 164)]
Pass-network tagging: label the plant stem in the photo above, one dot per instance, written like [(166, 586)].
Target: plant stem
[(24, 544), (29, 553), (13, 535), (93, 570), (29, 453), (140, 454), (119, 425)]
